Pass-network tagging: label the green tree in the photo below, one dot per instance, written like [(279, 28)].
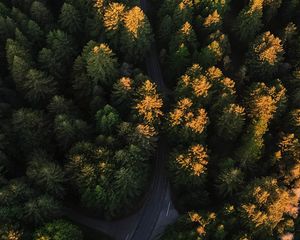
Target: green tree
[(34, 32), (13, 49), (70, 19), (230, 181), (39, 88), (40, 13), (107, 120), (60, 105), (231, 122), (30, 129), (41, 209), (165, 29), (249, 21), (13, 196), (7, 27), (59, 54), (59, 229), (101, 65), (122, 93), (45, 174), (19, 71), (69, 130)]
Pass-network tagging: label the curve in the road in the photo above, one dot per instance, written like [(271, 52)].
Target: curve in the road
[(158, 210)]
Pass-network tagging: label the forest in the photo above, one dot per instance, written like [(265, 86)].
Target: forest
[(94, 92)]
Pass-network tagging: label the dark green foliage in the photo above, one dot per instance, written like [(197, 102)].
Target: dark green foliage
[(38, 87), (58, 229), (79, 121), (41, 209), (30, 129), (45, 174), (70, 19), (40, 13), (69, 130), (107, 120)]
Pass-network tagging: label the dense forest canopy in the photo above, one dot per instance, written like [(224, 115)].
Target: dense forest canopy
[(80, 118)]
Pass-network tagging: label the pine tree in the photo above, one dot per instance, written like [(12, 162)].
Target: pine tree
[(41, 209), (30, 129), (69, 130), (249, 21), (58, 229), (165, 29), (40, 13), (107, 119), (102, 65), (45, 174), (231, 122), (38, 87), (271, 8), (230, 181), (70, 19)]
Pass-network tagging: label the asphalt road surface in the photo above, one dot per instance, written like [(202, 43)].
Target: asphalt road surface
[(157, 211)]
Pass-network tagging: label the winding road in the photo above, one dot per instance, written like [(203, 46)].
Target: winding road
[(157, 211)]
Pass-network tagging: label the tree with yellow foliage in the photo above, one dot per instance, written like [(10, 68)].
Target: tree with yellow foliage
[(113, 22), (262, 104), (149, 104), (264, 56), (188, 169), (187, 121), (263, 205), (137, 34), (287, 159)]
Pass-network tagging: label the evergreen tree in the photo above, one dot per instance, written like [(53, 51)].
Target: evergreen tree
[(45, 174), (41, 209), (69, 130), (58, 229), (231, 122), (70, 19), (30, 129), (38, 87), (249, 21), (230, 181), (107, 120), (101, 65), (40, 13)]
